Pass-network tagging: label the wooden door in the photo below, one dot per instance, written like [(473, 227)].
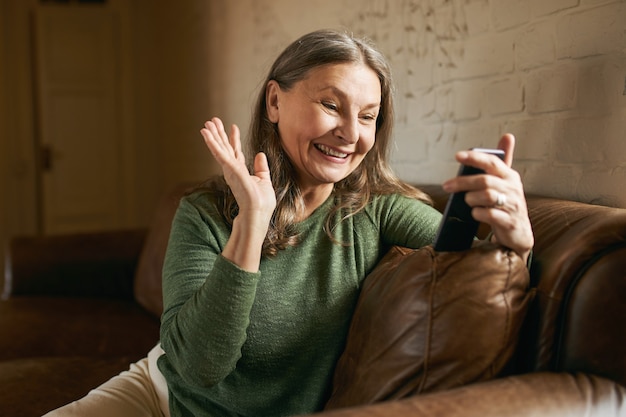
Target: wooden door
[(77, 71)]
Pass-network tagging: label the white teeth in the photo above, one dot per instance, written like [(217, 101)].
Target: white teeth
[(331, 152)]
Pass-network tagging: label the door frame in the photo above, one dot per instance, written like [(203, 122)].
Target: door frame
[(20, 179), (18, 175), (68, 202), (3, 148)]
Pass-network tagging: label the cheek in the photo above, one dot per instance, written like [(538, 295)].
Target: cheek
[(367, 141), (319, 123), (306, 126)]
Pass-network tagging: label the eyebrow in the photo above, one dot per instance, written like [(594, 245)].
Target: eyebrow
[(343, 95)]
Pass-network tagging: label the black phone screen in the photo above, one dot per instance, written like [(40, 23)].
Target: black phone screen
[(458, 228)]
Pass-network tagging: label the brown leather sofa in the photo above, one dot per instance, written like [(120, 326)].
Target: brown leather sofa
[(78, 309)]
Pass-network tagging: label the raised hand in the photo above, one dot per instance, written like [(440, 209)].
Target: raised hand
[(253, 192)]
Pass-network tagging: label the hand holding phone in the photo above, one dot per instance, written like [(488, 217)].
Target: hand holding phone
[(458, 228)]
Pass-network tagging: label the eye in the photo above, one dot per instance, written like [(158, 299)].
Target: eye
[(330, 105), (368, 117)]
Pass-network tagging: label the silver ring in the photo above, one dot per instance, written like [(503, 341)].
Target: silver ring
[(500, 200)]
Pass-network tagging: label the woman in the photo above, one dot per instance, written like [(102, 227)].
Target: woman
[(263, 270), (264, 265)]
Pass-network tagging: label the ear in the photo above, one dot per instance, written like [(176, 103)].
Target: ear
[(272, 91)]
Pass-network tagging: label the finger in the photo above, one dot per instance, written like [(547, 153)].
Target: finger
[(486, 198), (210, 140), (213, 127), (490, 164), (213, 142), (218, 124), (494, 217), (486, 161), (505, 223), (261, 166), (217, 128), (229, 143), (217, 141), (512, 230), (235, 140), (507, 144)]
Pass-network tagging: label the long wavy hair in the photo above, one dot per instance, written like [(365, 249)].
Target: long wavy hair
[(372, 177)]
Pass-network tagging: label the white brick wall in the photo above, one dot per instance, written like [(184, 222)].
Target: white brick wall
[(591, 31), (509, 13), (505, 96), (553, 72), (545, 7), (534, 45), (552, 88)]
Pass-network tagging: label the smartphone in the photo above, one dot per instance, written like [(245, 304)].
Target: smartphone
[(458, 228)]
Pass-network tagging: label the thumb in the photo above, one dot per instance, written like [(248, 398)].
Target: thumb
[(507, 144), (261, 166)]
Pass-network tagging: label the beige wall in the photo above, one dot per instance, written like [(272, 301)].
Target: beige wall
[(167, 49), (173, 68), (551, 72)]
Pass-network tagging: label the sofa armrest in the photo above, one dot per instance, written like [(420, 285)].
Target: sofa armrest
[(576, 321), (528, 395), (98, 264)]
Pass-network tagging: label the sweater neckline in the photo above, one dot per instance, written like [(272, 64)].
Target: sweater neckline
[(318, 213)]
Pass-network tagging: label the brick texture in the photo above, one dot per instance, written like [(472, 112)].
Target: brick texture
[(552, 72)]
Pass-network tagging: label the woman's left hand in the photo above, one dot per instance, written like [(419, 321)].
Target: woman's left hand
[(497, 197)]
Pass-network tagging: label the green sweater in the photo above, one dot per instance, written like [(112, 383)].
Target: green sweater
[(266, 344)]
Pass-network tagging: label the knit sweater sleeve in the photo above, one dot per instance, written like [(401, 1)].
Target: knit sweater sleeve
[(207, 299), (407, 222)]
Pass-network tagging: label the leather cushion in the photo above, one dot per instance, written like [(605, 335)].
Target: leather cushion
[(62, 326), (536, 394), (428, 321), (148, 286), (34, 386)]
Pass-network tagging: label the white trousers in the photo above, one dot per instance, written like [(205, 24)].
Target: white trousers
[(139, 392)]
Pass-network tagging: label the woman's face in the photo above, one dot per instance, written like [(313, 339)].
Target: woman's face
[(327, 121)]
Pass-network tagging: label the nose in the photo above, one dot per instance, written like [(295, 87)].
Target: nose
[(348, 129)]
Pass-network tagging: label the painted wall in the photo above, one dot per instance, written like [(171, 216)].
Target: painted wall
[(169, 69), (551, 72), (172, 74), (168, 49)]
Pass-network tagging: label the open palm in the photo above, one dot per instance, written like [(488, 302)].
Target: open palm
[(254, 192)]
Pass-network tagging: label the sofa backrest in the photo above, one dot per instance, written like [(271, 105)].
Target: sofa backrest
[(148, 285), (576, 322)]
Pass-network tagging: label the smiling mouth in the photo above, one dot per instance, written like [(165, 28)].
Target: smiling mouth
[(330, 152)]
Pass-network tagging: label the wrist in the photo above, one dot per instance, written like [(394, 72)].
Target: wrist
[(245, 244)]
